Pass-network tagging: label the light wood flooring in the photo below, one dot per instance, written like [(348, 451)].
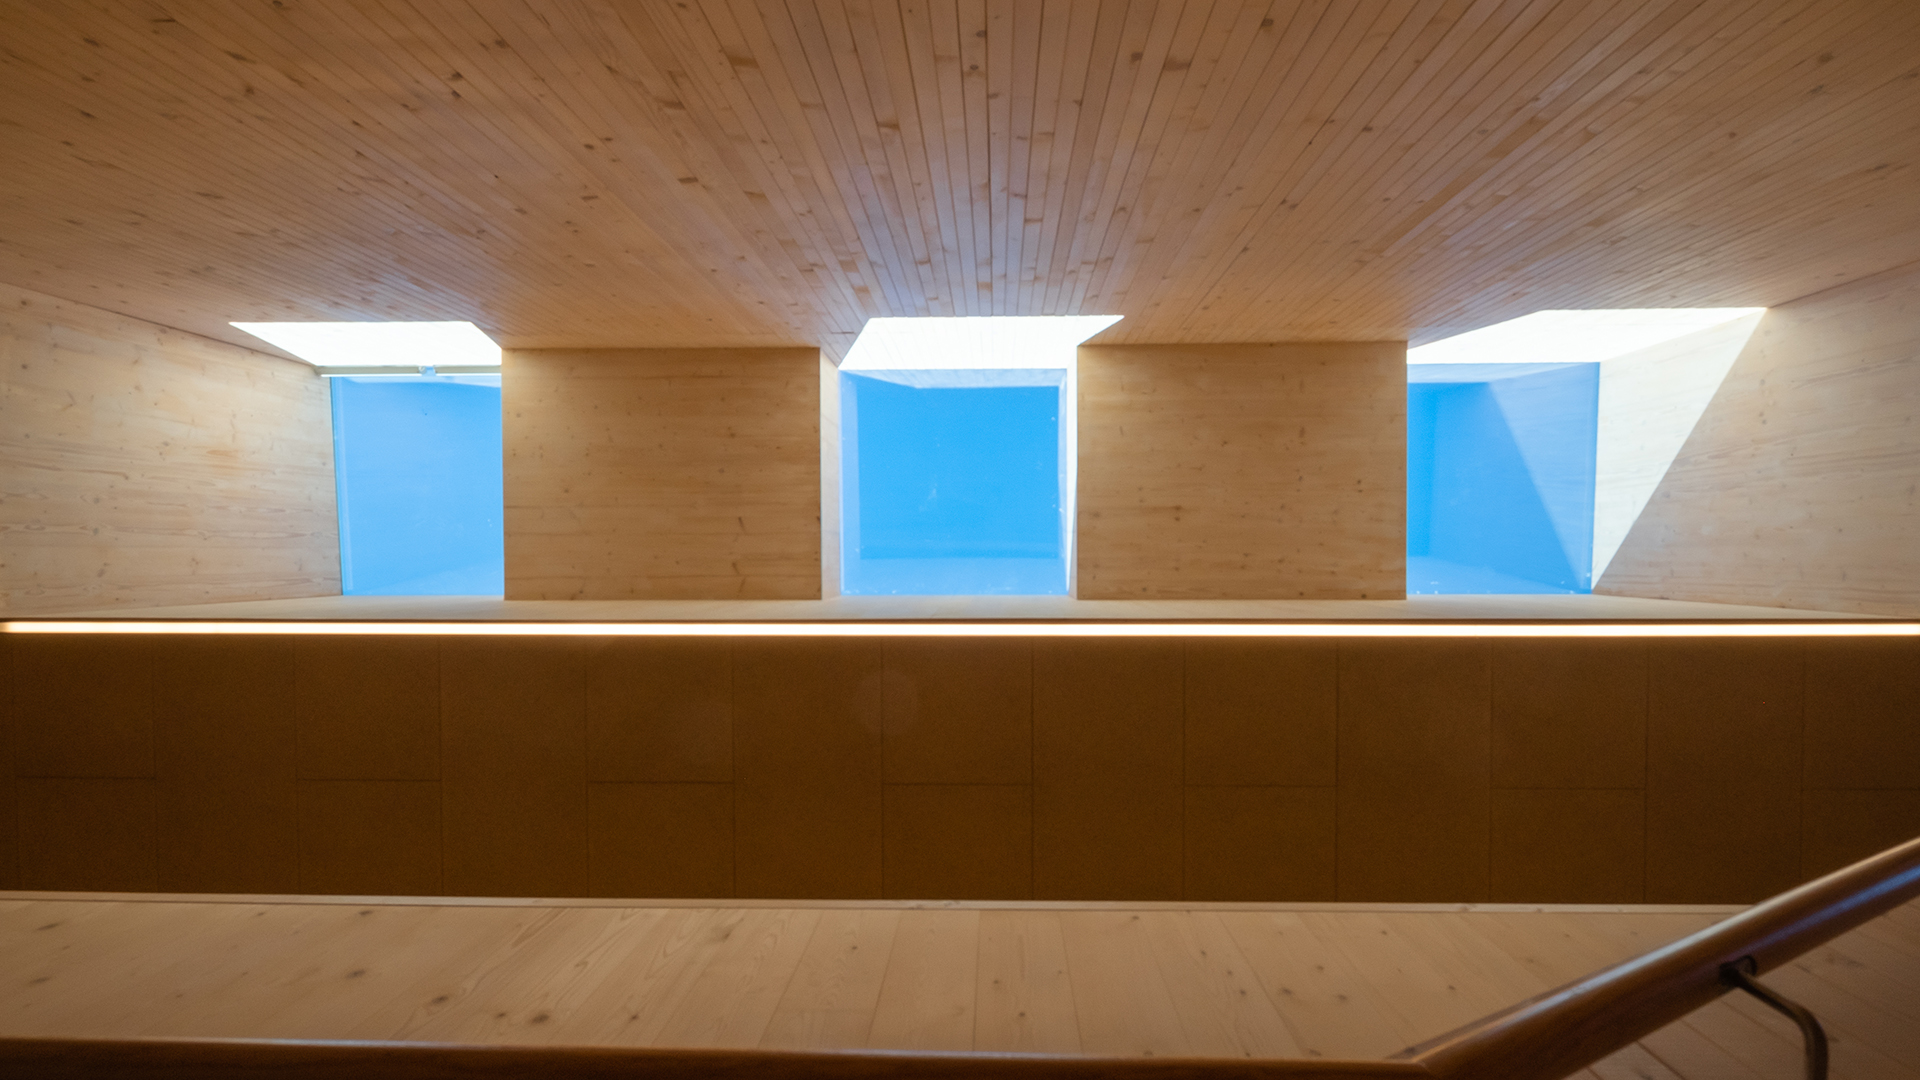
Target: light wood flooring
[(1357, 981)]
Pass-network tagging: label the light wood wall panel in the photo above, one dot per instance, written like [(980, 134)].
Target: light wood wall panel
[(1800, 486), (662, 474), (147, 466), (1569, 771), (1241, 472)]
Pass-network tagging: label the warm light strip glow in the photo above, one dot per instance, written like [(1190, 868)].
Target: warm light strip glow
[(986, 629)]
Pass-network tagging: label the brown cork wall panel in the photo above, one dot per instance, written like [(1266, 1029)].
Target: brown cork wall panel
[(1710, 771)]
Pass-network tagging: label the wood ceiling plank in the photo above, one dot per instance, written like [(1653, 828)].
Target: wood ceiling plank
[(1667, 171), (1015, 34), (851, 178), (607, 104), (1508, 214), (1231, 33), (917, 221), (1362, 39), (1399, 31), (1061, 72), (771, 172), (970, 26), (912, 50), (567, 102), (142, 160), (1471, 91), (734, 41), (1566, 120), (998, 137), (1157, 93), (1754, 157), (1314, 56), (853, 158), (1273, 46), (1119, 41)]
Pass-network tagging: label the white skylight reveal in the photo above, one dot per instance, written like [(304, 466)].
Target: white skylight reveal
[(368, 347), (991, 342), (1573, 337), (962, 483)]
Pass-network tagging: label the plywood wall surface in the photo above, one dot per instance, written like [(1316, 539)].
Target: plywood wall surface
[(665, 474), (1239, 472), (146, 466), (1800, 486), (1413, 770)]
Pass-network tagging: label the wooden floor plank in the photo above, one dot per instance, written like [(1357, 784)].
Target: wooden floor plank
[(54, 943), (1865, 966), (1404, 978), (1324, 1001), (1777, 1040), (732, 999), (1633, 1063), (1218, 998), (442, 996), (1118, 992), (1023, 1001), (354, 973), (830, 1001), (527, 997), (653, 979), (176, 983), (1230, 981), (1693, 1055), (400, 982), (926, 999), (1852, 1015), (1772, 1053)]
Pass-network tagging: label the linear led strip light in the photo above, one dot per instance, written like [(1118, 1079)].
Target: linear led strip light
[(383, 348), (982, 629)]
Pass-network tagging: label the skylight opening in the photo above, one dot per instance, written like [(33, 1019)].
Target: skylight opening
[(957, 455), (975, 343), (383, 348), (1574, 337), (1533, 445)]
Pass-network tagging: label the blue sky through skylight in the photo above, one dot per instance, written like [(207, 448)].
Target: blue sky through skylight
[(957, 438)]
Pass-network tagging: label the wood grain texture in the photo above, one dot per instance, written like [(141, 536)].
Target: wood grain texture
[(149, 466), (668, 474), (1800, 487), (741, 174), (1219, 984), (1241, 472)]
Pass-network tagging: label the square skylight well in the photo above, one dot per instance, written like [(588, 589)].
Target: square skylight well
[(957, 455), (1533, 445), (418, 474)]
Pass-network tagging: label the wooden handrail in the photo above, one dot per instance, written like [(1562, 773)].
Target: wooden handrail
[(1544, 1038), (1568, 1029)]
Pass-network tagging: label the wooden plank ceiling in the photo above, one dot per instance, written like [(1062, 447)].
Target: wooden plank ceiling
[(753, 172)]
